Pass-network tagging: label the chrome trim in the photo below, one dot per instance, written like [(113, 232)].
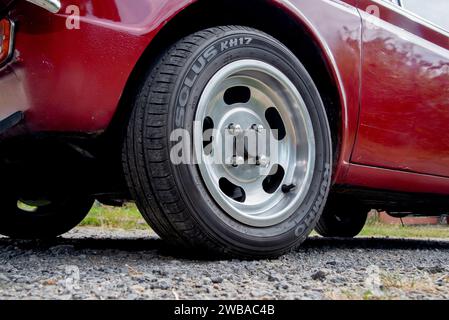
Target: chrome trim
[(412, 16), (12, 36), (50, 5)]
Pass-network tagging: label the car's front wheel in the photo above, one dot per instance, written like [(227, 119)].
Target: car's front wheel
[(209, 94)]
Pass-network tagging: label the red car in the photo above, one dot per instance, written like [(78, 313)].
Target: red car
[(155, 101)]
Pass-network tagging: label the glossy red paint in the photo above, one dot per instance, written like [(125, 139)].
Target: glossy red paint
[(395, 180), (405, 94), (392, 79), (336, 27), (72, 80)]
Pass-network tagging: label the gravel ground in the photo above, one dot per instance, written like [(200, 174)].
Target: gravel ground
[(113, 264)]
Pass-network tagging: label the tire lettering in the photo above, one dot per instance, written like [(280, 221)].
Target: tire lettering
[(210, 53), (228, 44), (301, 229), (233, 43), (179, 116), (224, 46), (184, 96), (199, 65)]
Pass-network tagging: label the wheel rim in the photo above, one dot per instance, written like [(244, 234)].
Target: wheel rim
[(260, 186)]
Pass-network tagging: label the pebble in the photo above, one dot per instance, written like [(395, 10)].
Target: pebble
[(217, 280), (319, 275), (4, 278), (273, 278)]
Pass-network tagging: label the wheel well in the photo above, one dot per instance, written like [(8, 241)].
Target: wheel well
[(268, 18)]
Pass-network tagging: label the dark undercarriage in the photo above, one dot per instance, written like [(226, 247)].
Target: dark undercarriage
[(46, 165), (49, 165)]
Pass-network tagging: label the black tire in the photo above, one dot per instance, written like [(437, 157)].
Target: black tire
[(343, 217), (46, 221), (173, 198)]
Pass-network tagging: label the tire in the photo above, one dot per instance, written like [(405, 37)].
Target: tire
[(41, 221), (342, 218), (180, 201)]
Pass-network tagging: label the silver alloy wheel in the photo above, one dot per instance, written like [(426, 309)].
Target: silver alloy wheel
[(250, 96)]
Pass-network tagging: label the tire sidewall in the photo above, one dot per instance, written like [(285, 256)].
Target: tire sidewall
[(214, 54)]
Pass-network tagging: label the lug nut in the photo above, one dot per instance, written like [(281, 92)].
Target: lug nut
[(263, 161), (230, 161), (235, 129), (237, 161), (258, 128)]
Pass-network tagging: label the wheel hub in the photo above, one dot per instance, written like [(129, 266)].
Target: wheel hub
[(241, 127)]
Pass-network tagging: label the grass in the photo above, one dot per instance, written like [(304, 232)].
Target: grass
[(129, 218), (374, 228), (398, 231)]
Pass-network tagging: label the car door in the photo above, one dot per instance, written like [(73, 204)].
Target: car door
[(404, 114)]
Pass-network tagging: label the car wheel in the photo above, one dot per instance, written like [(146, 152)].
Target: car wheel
[(342, 217), (230, 80), (41, 219)]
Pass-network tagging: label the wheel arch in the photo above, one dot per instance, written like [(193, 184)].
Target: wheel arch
[(274, 17)]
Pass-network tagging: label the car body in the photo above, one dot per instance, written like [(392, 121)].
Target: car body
[(382, 69)]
